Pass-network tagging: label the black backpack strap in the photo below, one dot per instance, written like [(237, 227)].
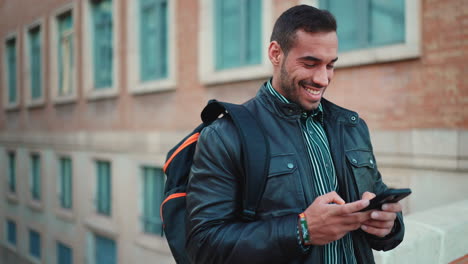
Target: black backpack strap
[(255, 149)]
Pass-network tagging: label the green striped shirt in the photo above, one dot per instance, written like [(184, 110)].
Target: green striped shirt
[(324, 176)]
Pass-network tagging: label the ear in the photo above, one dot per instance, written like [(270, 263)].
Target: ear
[(275, 54)]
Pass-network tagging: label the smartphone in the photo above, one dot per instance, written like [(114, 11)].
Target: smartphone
[(388, 196)]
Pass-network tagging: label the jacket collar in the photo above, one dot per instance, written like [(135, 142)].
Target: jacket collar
[(294, 111)]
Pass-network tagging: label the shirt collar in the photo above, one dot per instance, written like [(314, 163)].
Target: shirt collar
[(316, 113)]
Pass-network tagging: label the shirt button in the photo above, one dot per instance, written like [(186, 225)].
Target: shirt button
[(290, 165), (371, 161), (354, 160), (353, 118)]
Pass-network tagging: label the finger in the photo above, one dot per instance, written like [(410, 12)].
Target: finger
[(380, 232), (392, 207), (379, 224), (368, 196), (383, 216), (350, 208), (331, 197)]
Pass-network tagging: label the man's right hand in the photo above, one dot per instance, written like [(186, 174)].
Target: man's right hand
[(329, 218)]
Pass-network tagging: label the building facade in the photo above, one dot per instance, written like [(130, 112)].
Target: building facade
[(95, 92)]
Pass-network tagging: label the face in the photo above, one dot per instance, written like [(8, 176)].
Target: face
[(304, 74)]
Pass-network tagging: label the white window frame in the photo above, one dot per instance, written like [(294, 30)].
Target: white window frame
[(61, 99), (88, 81), (408, 50), (7, 105), (136, 86), (40, 230), (37, 102), (207, 72)]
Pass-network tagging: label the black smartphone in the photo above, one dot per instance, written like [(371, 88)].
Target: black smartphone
[(388, 196)]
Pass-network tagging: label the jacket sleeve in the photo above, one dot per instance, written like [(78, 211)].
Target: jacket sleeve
[(396, 236), (216, 233)]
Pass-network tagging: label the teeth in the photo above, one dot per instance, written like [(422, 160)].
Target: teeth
[(315, 92)]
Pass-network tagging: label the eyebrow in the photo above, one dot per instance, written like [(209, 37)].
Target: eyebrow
[(312, 58)]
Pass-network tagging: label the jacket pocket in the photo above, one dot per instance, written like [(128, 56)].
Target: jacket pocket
[(281, 189), (363, 169)]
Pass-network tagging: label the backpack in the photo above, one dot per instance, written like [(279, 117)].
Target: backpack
[(255, 153)]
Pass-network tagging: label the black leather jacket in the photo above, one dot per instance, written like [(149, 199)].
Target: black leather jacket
[(216, 234)]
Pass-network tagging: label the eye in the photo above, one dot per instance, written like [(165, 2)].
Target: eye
[(330, 66), (309, 65)]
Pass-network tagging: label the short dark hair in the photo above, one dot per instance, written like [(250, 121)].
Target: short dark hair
[(301, 17)]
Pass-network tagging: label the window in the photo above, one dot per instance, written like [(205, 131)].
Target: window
[(368, 23), (234, 36), (35, 61), (12, 172), (65, 182), (102, 49), (34, 244), (64, 254), (105, 250), (104, 187), (11, 68), (153, 39), (238, 33), (151, 44), (65, 58), (11, 232), (153, 193), (372, 31), (35, 176)]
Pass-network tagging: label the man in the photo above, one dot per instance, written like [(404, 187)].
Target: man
[(322, 169)]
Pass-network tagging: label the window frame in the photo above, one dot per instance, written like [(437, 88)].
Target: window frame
[(207, 71), (136, 86), (91, 93), (54, 47), (409, 50), (5, 70), (40, 101)]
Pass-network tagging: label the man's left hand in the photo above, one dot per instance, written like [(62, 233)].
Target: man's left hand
[(381, 221)]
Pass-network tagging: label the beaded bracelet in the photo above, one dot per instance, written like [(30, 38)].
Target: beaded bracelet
[(304, 229)]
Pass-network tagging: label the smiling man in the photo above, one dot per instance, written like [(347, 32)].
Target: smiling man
[(322, 169)]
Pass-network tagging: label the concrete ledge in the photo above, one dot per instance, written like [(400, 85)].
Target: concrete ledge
[(438, 235)]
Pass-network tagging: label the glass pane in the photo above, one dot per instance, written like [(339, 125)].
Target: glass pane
[(102, 43), (12, 171), (11, 60), (153, 39), (254, 32), (387, 22), (105, 250), (228, 33), (64, 254), (352, 22), (35, 62), (11, 232), (35, 177), (153, 194), (65, 53), (65, 183), (34, 244), (104, 188)]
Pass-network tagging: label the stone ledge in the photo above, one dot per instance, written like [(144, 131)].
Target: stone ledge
[(434, 236)]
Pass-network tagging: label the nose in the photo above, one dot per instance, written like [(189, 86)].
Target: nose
[(321, 77)]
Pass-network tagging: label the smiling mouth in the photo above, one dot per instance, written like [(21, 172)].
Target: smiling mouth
[(311, 91)]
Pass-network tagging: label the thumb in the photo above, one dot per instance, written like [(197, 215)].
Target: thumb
[(368, 196)]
